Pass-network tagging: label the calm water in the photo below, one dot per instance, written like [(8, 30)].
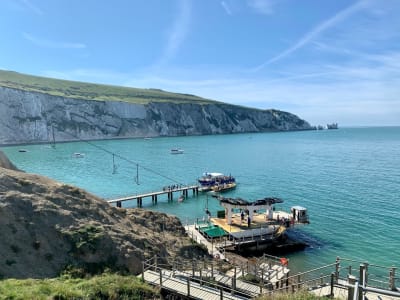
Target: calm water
[(349, 179)]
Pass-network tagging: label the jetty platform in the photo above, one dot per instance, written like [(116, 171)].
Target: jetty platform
[(238, 224), (183, 190)]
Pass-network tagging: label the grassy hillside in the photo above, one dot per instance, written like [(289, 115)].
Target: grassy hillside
[(105, 286), (91, 91)]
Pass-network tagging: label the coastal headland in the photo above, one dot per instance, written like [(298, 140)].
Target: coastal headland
[(38, 110)]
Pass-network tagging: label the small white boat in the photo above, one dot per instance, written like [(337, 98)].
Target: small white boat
[(78, 155), (181, 198), (176, 151)]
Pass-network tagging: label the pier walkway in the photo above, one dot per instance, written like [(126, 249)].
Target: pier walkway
[(210, 279), (184, 190), (184, 287)]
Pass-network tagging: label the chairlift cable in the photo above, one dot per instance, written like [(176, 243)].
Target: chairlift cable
[(125, 159)]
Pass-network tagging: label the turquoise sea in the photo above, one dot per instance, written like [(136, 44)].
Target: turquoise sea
[(349, 179)]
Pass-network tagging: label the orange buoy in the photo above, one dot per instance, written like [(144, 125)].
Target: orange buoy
[(284, 261)]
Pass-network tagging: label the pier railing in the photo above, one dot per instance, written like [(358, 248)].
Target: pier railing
[(354, 278), (195, 273), (253, 277)]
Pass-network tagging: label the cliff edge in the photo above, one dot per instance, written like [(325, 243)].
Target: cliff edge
[(38, 110)]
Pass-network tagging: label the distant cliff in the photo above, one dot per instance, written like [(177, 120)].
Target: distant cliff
[(31, 116)]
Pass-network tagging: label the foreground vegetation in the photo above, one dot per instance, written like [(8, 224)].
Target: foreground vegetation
[(90, 91), (105, 286)]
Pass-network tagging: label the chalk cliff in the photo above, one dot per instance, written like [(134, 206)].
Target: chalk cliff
[(32, 117)]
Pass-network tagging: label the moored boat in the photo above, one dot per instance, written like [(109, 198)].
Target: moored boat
[(223, 187), (255, 221), (216, 181), (176, 151)]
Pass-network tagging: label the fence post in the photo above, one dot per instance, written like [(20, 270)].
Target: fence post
[(298, 281), (332, 284), (193, 267), (234, 277), (262, 279), (350, 291), (160, 277), (362, 281), (287, 281), (392, 276), (155, 261), (337, 267), (188, 286), (142, 271)]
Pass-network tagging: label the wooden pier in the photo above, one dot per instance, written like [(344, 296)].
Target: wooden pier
[(184, 190)]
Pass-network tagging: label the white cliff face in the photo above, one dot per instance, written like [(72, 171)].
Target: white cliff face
[(30, 117)]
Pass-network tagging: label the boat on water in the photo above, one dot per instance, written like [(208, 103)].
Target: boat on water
[(176, 151), (249, 223), (78, 155), (218, 188), (217, 182)]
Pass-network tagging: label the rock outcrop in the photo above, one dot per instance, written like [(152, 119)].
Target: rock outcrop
[(46, 226), (34, 117)]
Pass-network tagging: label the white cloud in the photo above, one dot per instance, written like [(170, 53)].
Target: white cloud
[(264, 7), (177, 33), (226, 8), (52, 44), (314, 33)]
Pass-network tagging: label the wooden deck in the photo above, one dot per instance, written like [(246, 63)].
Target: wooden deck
[(239, 225)]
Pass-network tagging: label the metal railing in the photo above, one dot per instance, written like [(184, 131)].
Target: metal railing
[(359, 280), (194, 275)]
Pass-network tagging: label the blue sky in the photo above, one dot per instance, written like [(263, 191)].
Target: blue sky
[(326, 61)]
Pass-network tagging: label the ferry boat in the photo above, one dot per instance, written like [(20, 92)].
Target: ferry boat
[(216, 182)]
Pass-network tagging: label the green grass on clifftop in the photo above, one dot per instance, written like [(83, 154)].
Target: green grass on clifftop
[(106, 286), (91, 91)]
